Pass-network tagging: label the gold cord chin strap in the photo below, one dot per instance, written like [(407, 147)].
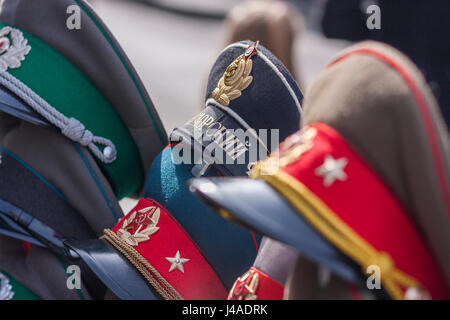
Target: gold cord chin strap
[(152, 275), (319, 215)]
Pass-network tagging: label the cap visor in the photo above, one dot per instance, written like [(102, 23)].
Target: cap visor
[(113, 269), (256, 206)]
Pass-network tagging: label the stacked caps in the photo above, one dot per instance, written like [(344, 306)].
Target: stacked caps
[(170, 246), (249, 91), (78, 133), (364, 183)]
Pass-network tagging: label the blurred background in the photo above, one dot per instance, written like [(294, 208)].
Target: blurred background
[(173, 44)]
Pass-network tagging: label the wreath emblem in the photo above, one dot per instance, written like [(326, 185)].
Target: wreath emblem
[(148, 217), (236, 77), (13, 48), (6, 292)]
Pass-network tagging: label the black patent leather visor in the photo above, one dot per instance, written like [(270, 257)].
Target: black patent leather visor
[(113, 269)]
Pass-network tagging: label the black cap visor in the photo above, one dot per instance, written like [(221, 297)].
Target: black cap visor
[(113, 269)]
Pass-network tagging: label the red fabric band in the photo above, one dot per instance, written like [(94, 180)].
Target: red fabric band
[(170, 251), (364, 203)]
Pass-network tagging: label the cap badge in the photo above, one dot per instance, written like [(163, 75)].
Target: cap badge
[(296, 145), (236, 77), (177, 262), (332, 170), (13, 48), (132, 231), (289, 151), (6, 292), (245, 287)]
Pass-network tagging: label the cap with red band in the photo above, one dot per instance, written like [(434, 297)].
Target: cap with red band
[(256, 285), (153, 241), (318, 172)]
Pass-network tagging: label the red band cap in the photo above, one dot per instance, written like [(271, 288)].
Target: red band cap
[(343, 198)]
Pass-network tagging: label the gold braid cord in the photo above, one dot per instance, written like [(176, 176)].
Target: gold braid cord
[(152, 275), (235, 80), (318, 214)]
